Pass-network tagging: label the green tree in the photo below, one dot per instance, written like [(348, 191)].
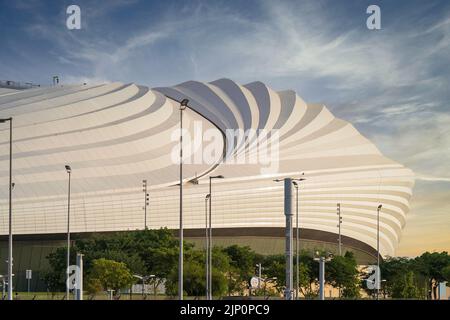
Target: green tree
[(194, 280), (432, 267), (392, 270), (242, 267), (405, 287), (275, 267), (110, 274), (446, 273), (55, 277), (342, 272)]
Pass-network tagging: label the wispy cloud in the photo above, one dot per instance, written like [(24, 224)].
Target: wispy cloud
[(392, 84)]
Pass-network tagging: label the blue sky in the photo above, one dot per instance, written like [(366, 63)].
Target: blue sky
[(392, 84)]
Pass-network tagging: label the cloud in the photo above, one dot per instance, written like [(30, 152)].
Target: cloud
[(392, 84)]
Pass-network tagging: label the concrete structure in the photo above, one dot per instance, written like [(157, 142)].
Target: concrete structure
[(116, 135)]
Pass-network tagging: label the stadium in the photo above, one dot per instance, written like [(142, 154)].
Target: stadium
[(114, 136)]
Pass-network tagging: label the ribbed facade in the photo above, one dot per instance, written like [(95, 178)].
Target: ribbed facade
[(116, 135)]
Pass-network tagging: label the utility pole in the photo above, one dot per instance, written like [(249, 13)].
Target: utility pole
[(288, 236), (183, 105), (339, 227), (144, 189), (259, 266), (288, 293), (322, 259), (79, 278)]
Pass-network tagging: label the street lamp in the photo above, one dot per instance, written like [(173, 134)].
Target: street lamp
[(210, 234), (69, 172), (143, 278), (207, 245), (339, 228), (183, 105), (144, 189), (322, 259), (297, 239), (378, 250), (259, 266), (288, 232), (10, 238)]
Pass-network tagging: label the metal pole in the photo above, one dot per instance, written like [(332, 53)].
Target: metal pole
[(259, 275), (180, 258), (207, 247), (339, 226), (297, 284), (210, 242), (378, 252), (322, 278), (79, 279), (10, 246), (68, 238), (144, 182), (288, 235)]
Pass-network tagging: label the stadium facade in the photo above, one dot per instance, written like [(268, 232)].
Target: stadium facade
[(116, 135)]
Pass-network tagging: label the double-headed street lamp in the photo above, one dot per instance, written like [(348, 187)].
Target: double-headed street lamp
[(10, 238), (183, 105), (210, 235), (143, 278), (69, 172), (322, 259), (288, 232)]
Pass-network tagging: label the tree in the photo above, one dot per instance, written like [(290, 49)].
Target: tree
[(446, 273), (342, 272), (194, 280), (110, 274), (309, 273), (55, 277), (242, 267), (275, 267), (431, 266), (405, 287)]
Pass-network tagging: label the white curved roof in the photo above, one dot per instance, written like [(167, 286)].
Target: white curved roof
[(115, 135)]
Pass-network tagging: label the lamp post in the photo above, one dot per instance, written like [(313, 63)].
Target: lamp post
[(207, 246), (143, 279), (183, 105), (339, 228), (297, 283), (322, 260), (288, 233), (210, 234), (69, 172), (144, 189), (378, 277), (10, 238), (259, 266)]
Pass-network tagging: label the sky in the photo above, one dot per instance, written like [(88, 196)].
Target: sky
[(393, 84)]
